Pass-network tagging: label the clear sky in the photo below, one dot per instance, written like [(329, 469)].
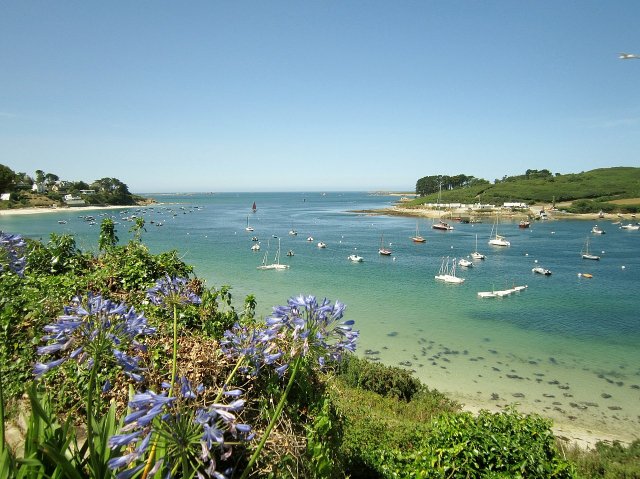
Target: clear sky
[(316, 95)]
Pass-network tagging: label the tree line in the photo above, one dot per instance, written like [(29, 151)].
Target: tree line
[(428, 185), (105, 190)]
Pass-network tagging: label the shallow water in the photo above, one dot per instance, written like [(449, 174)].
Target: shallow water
[(567, 346)]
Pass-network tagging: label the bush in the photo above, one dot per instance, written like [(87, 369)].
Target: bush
[(384, 380)]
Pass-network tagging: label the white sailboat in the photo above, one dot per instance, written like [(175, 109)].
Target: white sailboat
[(476, 254), (496, 239), (417, 238), (585, 252), (447, 272), (248, 228), (276, 261)]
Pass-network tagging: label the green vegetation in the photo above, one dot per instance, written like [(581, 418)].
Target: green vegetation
[(591, 191), (349, 418), (50, 190)]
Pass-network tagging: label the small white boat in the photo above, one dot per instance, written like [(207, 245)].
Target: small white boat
[(249, 227), (476, 254), (630, 226), (62, 222), (465, 263), (293, 232), (586, 254), (541, 270), (355, 258), (310, 238), (597, 230), (496, 239), (322, 245), (255, 247), (442, 226)]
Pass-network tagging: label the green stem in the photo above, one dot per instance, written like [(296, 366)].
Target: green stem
[(92, 387), (174, 362), (1, 415), (275, 417)]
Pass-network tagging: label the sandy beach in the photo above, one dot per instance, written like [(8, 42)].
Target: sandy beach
[(42, 210), (426, 212)]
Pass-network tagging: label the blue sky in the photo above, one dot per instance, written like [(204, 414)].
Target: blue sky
[(325, 95)]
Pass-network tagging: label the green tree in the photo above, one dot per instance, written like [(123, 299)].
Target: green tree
[(108, 238), (7, 179)]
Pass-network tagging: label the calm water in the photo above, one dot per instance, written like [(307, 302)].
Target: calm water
[(566, 346)]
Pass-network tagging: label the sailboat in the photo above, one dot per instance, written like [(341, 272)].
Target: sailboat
[(248, 228), (585, 252), (496, 239), (447, 272), (382, 250), (441, 225), (254, 208), (475, 254), (417, 238), (276, 261)]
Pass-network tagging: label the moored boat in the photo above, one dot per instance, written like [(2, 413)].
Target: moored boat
[(541, 270)]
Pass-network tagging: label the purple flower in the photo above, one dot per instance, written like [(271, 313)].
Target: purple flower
[(93, 330), (313, 327), (170, 291), (12, 253), (190, 430)]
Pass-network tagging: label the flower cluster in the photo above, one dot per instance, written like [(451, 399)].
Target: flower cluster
[(253, 348), (314, 327), (191, 433), (86, 332), (12, 251), (301, 328), (169, 292)]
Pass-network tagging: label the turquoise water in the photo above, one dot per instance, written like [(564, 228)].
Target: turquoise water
[(567, 346)]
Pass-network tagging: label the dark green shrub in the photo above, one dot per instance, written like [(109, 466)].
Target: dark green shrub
[(378, 378)]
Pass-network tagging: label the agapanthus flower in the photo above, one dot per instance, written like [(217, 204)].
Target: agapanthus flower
[(12, 253), (254, 346), (190, 430), (170, 291), (315, 327), (98, 329)]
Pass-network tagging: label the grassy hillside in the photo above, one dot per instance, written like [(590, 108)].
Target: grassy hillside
[(599, 186)]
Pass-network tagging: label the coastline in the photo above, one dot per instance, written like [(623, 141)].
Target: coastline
[(48, 209), (423, 212)]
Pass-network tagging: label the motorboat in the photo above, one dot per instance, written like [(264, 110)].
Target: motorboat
[(255, 247), (322, 245), (597, 230), (524, 224), (541, 270), (465, 263), (630, 226), (441, 225), (355, 258)]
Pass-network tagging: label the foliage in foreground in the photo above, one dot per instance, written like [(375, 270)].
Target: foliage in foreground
[(191, 376)]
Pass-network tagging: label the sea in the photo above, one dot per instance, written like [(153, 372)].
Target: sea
[(566, 347)]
